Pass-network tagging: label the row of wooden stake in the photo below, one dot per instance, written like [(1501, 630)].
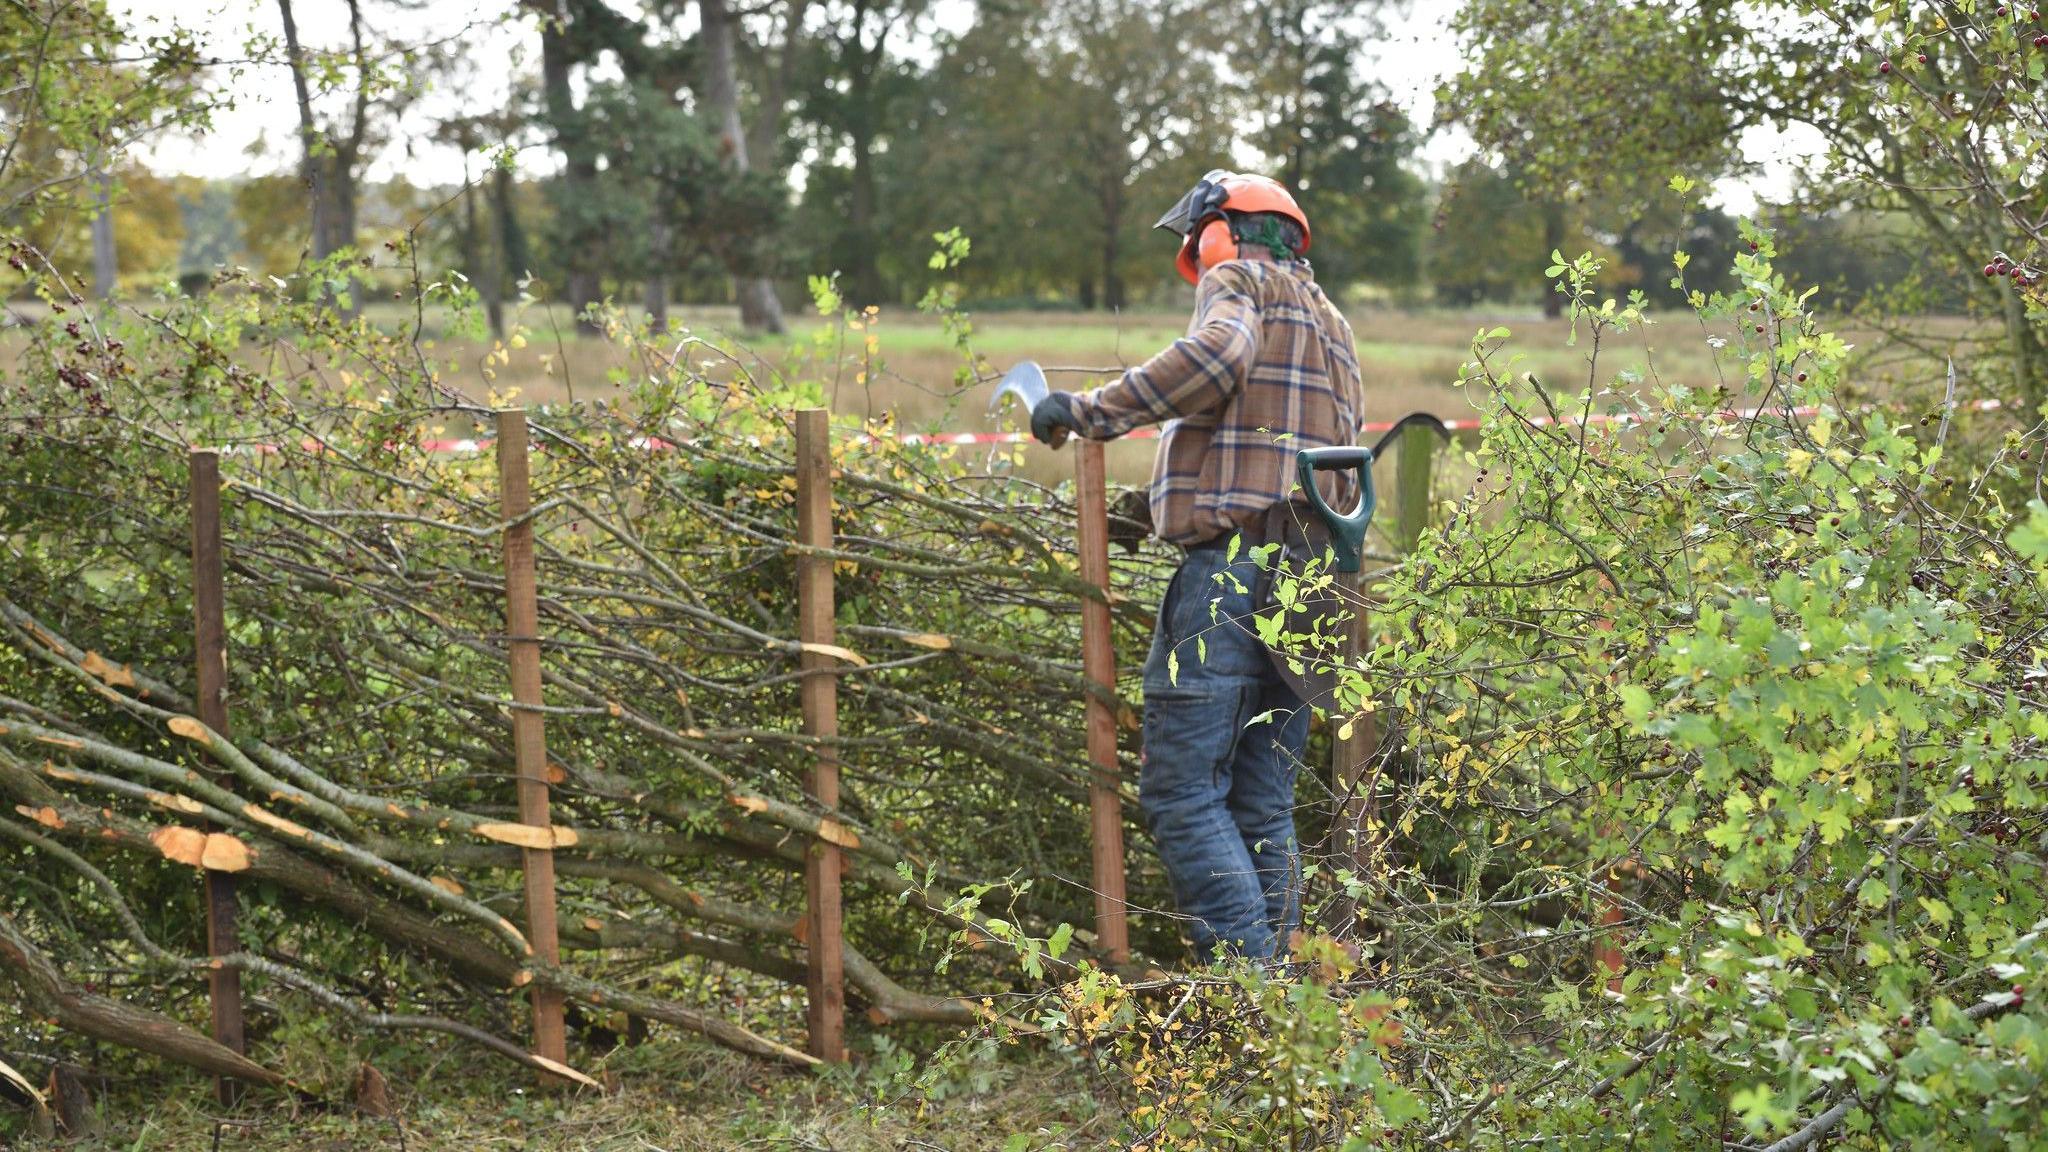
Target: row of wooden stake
[(1353, 756)]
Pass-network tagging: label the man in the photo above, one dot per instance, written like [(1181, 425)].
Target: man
[(1267, 368)]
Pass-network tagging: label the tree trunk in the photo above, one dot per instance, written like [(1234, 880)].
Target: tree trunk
[(1553, 241), (864, 278), (313, 170), (106, 270), (579, 163), (1112, 280), (759, 309), (72, 1101), (473, 264), (764, 135), (1087, 293), (862, 63), (513, 259), (655, 295)]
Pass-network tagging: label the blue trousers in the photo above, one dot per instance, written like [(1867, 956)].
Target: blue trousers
[(1223, 738)]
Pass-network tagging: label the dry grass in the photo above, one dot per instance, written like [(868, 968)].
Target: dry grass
[(1411, 362)]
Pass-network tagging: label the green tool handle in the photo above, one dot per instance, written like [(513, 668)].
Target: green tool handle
[(1347, 530)]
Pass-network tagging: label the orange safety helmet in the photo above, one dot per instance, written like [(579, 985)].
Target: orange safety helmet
[(1204, 217)]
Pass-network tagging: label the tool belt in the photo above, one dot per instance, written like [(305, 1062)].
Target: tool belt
[(1310, 671)]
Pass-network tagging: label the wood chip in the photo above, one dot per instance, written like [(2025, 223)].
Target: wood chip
[(114, 675), (187, 846), (528, 836), (446, 884), (937, 642), (224, 853), (190, 729), (564, 1071), (847, 655), (749, 803), (275, 822), (46, 815), (833, 832)]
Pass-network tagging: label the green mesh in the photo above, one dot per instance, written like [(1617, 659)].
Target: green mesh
[(1264, 231)]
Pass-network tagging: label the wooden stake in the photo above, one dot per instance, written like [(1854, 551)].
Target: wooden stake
[(1098, 662), (1411, 484), (210, 647), (529, 738), (822, 865)]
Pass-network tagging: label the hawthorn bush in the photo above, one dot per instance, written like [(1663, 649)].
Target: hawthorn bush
[(1745, 688)]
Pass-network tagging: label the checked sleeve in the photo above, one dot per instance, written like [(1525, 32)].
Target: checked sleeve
[(1195, 374)]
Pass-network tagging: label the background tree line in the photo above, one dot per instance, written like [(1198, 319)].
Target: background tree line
[(698, 151)]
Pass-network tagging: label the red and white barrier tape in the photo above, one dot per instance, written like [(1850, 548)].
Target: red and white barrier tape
[(652, 443)]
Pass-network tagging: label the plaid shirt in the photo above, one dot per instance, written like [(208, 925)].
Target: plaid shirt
[(1267, 368)]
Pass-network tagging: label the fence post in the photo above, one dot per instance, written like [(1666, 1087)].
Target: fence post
[(822, 920), (1098, 663), (529, 737), (209, 635), (1411, 484)]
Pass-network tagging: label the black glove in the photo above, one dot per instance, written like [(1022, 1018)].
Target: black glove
[(1053, 418)]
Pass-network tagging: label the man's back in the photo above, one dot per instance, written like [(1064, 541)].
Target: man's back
[(1267, 368)]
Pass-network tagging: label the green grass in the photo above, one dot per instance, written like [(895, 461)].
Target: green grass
[(668, 1095)]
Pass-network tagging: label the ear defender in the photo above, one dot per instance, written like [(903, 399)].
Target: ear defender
[(1218, 243)]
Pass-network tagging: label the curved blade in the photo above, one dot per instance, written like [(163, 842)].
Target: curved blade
[(1427, 420), (1026, 382)]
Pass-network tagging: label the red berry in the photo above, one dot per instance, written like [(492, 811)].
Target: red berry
[(1801, 378), (1990, 270), (1885, 67), (2002, 9), (1754, 246), (1759, 327), (1905, 1020), (1922, 58), (2019, 989), (2041, 41), (1827, 1049), (1713, 981)]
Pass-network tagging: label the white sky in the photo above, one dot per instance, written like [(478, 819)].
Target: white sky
[(258, 134)]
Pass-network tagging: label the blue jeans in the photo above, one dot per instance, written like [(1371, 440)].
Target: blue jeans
[(1223, 737)]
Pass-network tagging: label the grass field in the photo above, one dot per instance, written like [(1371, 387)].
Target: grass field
[(669, 1095), (1411, 362)]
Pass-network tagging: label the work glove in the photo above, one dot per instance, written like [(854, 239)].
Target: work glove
[(1053, 419)]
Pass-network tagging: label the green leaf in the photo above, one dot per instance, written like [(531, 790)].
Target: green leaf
[(1061, 937), (1873, 893), (1635, 703)]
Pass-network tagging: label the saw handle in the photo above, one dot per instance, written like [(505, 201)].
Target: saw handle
[(1347, 530)]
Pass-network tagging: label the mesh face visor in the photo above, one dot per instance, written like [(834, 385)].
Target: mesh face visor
[(1203, 201)]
